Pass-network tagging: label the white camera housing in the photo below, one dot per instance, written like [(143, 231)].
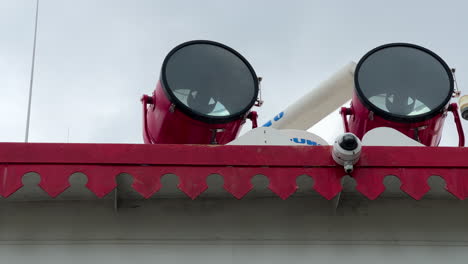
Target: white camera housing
[(463, 102), (347, 151)]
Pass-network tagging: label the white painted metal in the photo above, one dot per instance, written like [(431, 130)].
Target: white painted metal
[(240, 254), (386, 136), (319, 102), (262, 136), (285, 137), (302, 137), (260, 230)]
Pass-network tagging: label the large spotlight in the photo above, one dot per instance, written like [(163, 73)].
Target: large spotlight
[(205, 93), (405, 87)]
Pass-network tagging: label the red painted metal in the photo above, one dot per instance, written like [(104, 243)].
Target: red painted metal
[(428, 132), (461, 135), (345, 112), (145, 101), (253, 116), (164, 123), (101, 163)]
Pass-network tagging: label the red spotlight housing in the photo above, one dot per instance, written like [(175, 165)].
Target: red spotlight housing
[(405, 87), (205, 92)]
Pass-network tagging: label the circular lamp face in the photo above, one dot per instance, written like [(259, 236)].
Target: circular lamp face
[(209, 81), (403, 82)]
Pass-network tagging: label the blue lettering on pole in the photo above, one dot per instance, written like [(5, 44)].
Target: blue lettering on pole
[(267, 124), (276, 118)]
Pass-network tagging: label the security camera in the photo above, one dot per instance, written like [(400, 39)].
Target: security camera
[(347, 150), (463, 102)]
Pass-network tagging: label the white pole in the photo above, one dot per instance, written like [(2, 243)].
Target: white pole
[(31, 80), (318, 103)]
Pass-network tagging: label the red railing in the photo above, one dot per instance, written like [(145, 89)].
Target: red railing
[(236, 164)]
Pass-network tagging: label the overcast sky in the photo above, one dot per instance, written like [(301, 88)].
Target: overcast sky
[(95, 58)]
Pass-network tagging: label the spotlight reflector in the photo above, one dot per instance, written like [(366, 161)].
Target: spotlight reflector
[(205, 92), (401, 86)]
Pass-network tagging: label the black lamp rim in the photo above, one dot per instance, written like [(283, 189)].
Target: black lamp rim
[(199, 116), (403, 118)]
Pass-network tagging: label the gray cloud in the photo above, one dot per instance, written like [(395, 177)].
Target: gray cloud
[(96, 58)]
